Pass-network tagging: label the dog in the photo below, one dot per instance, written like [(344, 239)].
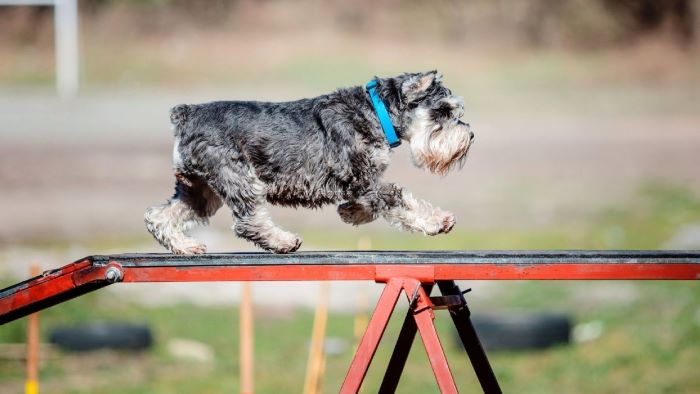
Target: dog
[(331, 149)]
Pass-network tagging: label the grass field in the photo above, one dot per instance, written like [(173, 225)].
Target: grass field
[(650, 340)]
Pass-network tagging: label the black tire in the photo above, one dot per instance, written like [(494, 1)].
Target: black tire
[(93, 336), (522, 331)]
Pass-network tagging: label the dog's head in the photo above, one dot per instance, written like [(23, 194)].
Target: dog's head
[(429, 120)]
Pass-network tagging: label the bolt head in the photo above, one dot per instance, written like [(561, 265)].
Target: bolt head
[(113, 274)]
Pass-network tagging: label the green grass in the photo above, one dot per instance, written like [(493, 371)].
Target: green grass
[(650, 342)]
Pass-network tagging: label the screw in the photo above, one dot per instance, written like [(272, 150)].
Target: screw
[(113, 274)]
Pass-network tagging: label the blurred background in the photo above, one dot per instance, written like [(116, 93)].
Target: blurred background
[(586, 114)]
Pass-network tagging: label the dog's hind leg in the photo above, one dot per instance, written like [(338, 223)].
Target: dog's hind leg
[(193, 203), (244, 193), (259, 229)]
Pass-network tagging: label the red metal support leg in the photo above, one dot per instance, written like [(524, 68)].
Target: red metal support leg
[(372, 337), (401, 350), (424, 316), (470, 340)]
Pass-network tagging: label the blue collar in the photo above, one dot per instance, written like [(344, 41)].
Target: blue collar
[(382, 114)]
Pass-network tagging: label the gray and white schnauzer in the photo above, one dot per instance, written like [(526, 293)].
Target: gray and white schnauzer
[(331, 149)]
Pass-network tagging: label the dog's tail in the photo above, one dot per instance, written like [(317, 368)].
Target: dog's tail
[(178, 117)]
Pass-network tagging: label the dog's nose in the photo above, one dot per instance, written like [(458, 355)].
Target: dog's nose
[(471, 135)]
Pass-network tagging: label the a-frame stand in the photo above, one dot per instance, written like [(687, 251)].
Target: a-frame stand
[(414, 273), (419, 318)]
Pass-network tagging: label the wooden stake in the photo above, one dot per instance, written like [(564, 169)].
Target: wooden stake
[(247, 340), (361, 318), (317, 360), (361, 315), (31, 385)]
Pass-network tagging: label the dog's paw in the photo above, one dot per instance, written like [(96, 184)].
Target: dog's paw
[(287, 246), (281, 242), (448, 221), (354, 213), (189, 246), (440, 223)]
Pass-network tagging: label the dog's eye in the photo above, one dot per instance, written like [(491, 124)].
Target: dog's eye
[(442, 111)]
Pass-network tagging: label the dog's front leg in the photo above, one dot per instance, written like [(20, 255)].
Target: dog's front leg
[(399, 208), (370, 205), (411, 214)]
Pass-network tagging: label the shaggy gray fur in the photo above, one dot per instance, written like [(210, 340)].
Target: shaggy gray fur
[(311, 152)]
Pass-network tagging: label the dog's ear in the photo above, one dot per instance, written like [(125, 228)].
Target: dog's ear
[(416, 85)]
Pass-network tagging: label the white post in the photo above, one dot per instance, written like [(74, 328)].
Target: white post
[(66, 35), (65, 14)]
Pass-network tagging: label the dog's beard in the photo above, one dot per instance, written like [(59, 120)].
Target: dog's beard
[(438, 148)]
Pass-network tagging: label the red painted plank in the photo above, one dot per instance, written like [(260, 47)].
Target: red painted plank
[(249, 273), (568, 271), (587, 271), (86, 275)]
